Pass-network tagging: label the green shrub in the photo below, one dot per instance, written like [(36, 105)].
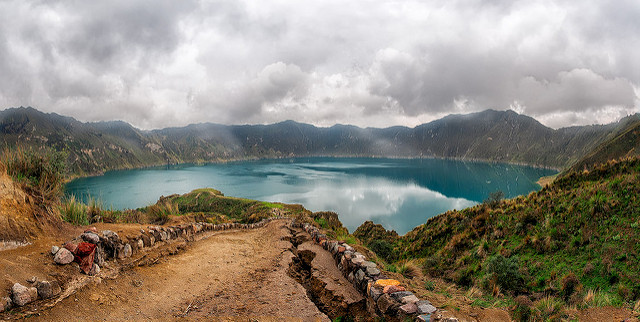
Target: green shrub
[(549, 309), (322, 222), (505, 272), (494, 198), (383, 249)]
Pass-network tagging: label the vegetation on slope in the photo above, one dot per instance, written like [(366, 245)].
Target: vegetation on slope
[(624, 142), (503, 136), (574, 241)]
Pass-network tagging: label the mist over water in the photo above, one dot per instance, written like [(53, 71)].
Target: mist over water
[(397, 193)]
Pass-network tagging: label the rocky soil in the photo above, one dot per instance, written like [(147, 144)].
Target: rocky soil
[(227, 274)]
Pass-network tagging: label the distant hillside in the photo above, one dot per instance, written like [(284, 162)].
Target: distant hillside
[(623, 142), (503, 136)]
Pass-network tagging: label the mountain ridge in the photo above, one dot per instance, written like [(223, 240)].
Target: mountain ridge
[(490, 135)]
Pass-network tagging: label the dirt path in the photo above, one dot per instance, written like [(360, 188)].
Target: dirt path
[(229, 275)]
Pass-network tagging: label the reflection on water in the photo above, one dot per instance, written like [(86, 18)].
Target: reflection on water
[(399, 194)]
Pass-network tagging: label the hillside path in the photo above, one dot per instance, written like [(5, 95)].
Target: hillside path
[(227, 276)]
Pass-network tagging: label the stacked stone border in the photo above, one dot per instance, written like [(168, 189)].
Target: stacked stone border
[(110, 247), (384, 296)]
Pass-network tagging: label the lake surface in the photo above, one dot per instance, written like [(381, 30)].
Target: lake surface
[(397, 193)]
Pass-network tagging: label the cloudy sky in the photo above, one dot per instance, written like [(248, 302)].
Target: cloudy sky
[(160, 63)]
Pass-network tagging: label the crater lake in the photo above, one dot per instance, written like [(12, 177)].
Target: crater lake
[(400, 194)]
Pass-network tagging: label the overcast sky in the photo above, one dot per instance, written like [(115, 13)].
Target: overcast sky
[(375, 63)]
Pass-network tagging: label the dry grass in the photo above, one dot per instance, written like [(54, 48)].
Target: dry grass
[(410, 269)]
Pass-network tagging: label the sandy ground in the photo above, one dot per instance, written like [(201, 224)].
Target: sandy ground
[(227, 276)]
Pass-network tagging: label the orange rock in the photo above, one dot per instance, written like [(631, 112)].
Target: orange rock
[(386, 282), (393, 289)]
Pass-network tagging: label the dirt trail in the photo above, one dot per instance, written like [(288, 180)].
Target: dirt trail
[(229, 275)]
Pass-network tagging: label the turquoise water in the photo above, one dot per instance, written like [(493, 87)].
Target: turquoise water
[(397, 193)]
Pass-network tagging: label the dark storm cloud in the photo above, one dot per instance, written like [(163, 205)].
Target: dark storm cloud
[(169, 63)]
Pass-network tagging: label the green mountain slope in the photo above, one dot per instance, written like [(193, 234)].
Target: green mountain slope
[(582, 229), (623, 142)]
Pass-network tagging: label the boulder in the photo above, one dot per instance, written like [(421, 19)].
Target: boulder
[(54, 250), (90, 237), (386, 282), (372, 271), (22, 295), (99, 256), (399, 295), (387, 305), (48, 289), (410, 299), (375, 293), (409, 308), (5, 303), (70, 247), (424, 307), (63, 257), (393, 289)]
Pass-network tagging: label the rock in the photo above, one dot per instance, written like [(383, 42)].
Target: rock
[(63, 256), (369, 264), (341, 249), (410, 299), (375, 293), (359, 275), (409, 308), (54, 250), (425, 308), (357, 261), (140, 243), (5, 303), (399, 295), (99, 256), (372, 271), (393, 289), (351, 277), (424, 317), (32, 279), (386, 304), (110, 235), (95, 270), (449, 320), (127, 250), (386, 282), (70, 247), (22, 295), (92, 230), (90, 237), (48, 289)]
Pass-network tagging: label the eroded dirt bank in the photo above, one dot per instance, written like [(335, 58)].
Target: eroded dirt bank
[(230, 275)]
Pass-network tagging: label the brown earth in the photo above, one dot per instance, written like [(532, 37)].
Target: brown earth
[(226, 275)]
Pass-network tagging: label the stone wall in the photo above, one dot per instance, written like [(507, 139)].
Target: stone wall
[(385, 297), (92, 250)]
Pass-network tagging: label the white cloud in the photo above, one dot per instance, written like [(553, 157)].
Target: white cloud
[(167, 63)]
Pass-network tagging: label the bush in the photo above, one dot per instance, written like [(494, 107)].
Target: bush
[(40, 172), (383, 249), (569, 284), (505, 272), (74, 212), (549, 309), (409, 269), (494, 198)]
